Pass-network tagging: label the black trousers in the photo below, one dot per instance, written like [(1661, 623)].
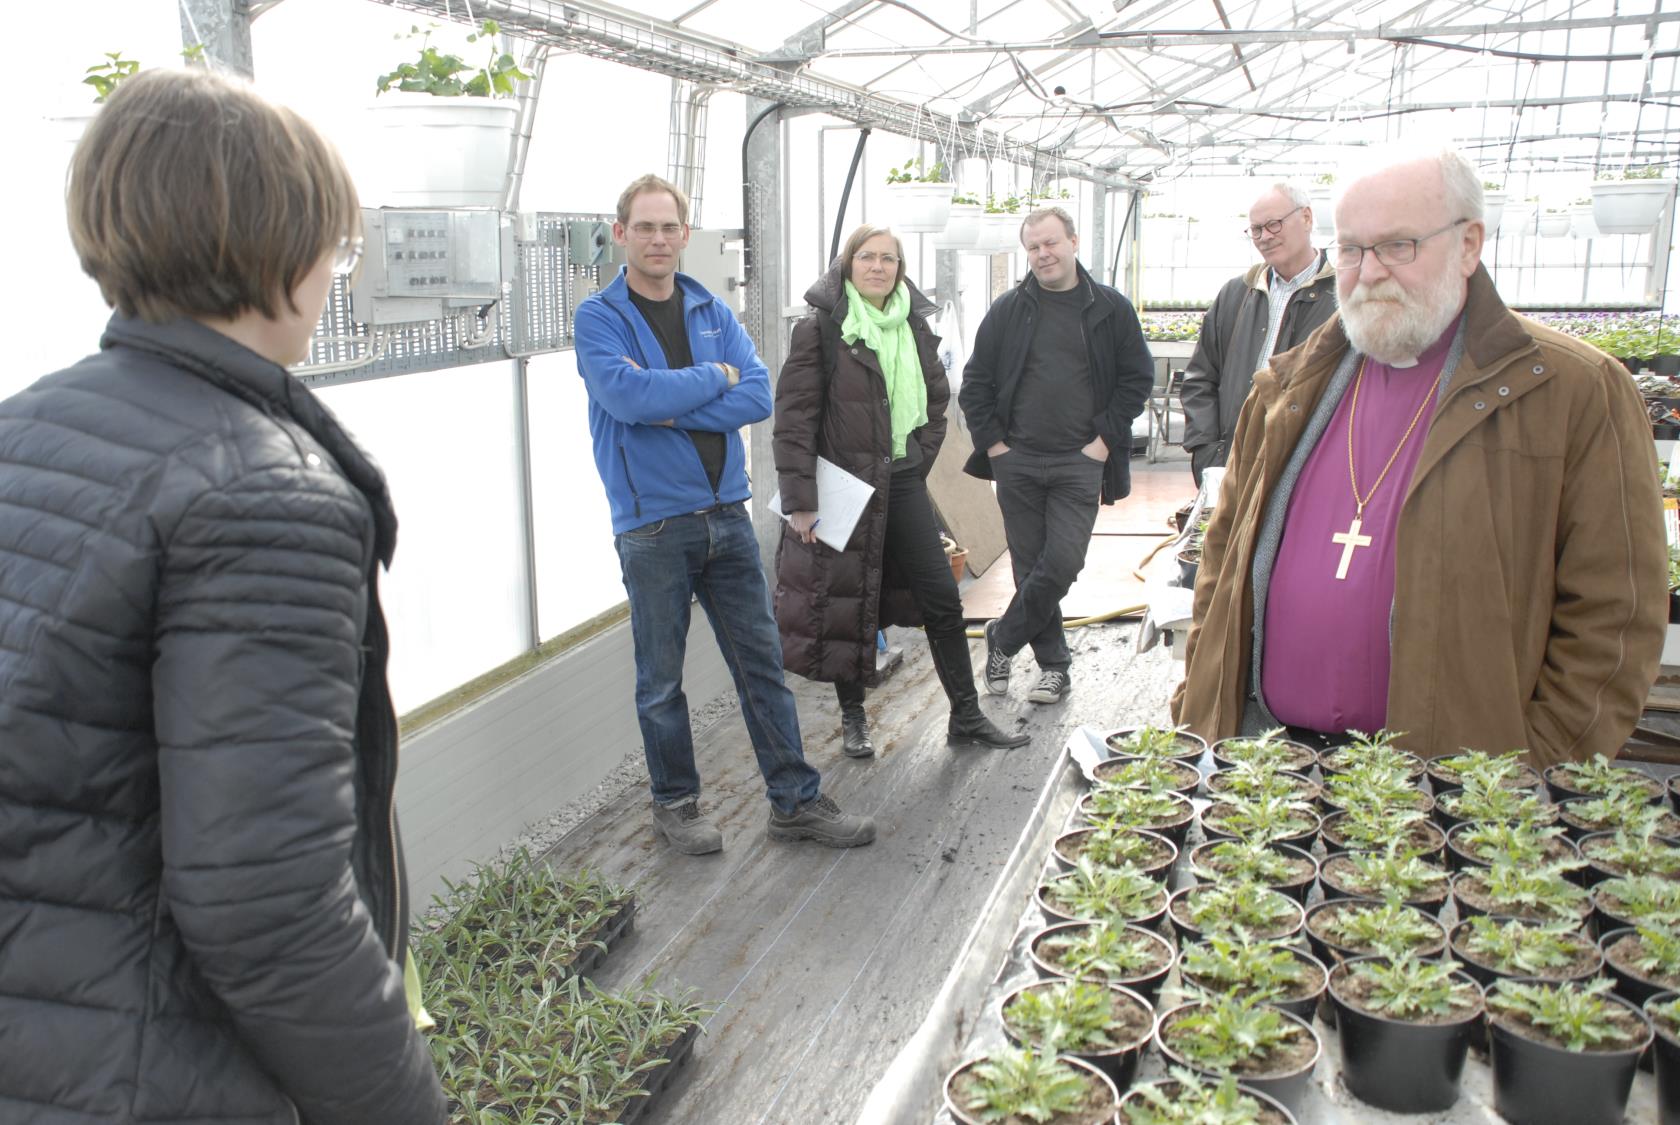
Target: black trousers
[(911, 548)]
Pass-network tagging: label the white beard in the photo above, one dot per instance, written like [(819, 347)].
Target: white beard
[(1393, 326)]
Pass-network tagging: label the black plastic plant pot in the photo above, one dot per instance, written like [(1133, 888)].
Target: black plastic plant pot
[(1302, 1006), (1288, 1088), (1297, 888), (1302, 787), (1423, 838), (1597, 869), (1272, 1112), (1332, 953), (1328, 767), (1189, 931), (1448, 819), (1054, 914), (1190, 747), (1666, 364), (1674, 602), (1664, 431), (1066, 849), (1175, 830), (1094, 1078), (1673, 787), (1187, 569), (1329, 871), (1303, 838), (1559, 789), (1458, 858), (1592, 962), (1120, 1063), (1665, 1049), (1441, 781), (1398, 1066), (1421, 802), (1468, 907), (1668, 826), (1145, 984), (1187, 777), (1541, 1083), (1631, 985), (1303, 757)]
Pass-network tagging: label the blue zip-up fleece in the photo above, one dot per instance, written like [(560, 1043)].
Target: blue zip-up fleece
[(653, 471)]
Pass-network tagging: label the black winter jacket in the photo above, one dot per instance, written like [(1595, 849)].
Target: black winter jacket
[(1122, 373), (830, 603), (201, 895)]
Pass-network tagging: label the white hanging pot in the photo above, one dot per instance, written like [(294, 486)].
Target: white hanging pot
[(998, 233), (1581, 223), (426, 151), (962, 230), (1324, 217), (1493, 210), (919, 208), (1554, 224), (1629, 206)]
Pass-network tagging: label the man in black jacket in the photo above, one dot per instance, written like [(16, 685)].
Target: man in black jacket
[(1058, 372), (1266, 310)]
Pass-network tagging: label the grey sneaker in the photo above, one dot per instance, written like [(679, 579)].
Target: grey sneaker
[(685, 829), (821, 820), (1052, 687), (997, 664)]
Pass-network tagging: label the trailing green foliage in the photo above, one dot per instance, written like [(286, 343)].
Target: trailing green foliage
[(1068, 1015), (1523, 948), (1023, 1083), (1100, 893), (1574, 1014), (105, 76), (1406, 987), (912, 172), (441, 74), (1196, 1101), (1222, 1031), (1235, 962), (1389, 930)]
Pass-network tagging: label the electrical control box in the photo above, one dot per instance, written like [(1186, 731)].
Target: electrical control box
[(431, 258), (713, 258)]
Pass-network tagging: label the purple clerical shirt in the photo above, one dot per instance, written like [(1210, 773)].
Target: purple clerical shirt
[(1326, 657)]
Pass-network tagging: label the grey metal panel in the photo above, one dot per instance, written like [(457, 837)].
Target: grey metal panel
[(471, 784)]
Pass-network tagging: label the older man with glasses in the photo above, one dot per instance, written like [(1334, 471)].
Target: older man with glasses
[(1439, 517), (1267, 309)]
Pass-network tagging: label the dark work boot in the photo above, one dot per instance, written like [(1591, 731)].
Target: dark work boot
[(854, 731), (969, 724)]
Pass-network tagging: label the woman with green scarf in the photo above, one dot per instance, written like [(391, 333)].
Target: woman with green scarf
[(863, 387)]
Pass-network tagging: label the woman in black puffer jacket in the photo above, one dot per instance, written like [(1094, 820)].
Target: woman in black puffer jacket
[(204, 915)]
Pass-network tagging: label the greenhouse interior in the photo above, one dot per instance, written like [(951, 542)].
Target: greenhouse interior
[(1155, 810)]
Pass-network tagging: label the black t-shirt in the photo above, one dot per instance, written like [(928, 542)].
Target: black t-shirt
[(1053, 410), (666, 319)]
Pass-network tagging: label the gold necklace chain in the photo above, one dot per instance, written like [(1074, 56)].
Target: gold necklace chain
[(1353, 408)]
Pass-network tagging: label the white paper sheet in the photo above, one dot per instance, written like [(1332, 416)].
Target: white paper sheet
[(841, 499)]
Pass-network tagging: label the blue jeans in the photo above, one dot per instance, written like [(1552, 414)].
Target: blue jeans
[(712, 556)]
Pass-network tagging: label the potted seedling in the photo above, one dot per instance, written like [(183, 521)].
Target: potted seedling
[(1278, 866), (1210, 908), (1635, 900), (1103, 953), (1270, 749), (1663, 1010), (1106, 1026), (1233, 963), (1262, 820), (1112, 844), (1631, 201), (1186, 1098), (1481, 801), (920, 196), (445, 123), (1168, 813), (1258, 1044), (1511, 947), (1000, 225), (1373, 787), (1388, 874), (1373, 750), (1609, 854), (1643, 960), (1541, 892), (1405, 1027), (1016, 1084), (1155, 774), (1364, 830), (1155, 742), (1516, 842), (1257, 779), (1563, 1052), (1599, 778), (1582, 816), (1356, 927), (1090, 893), (1507, 770), (962, 227)]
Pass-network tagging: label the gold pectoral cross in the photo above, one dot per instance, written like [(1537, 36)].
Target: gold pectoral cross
[(1350, 539)]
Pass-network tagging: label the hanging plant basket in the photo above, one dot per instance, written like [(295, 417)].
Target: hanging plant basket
[(1324, 218), (1581, 224), (426, 151), (962, 229), (1553, 224), (919, 207), (1493, 210), (1629, 206), (999, 233)]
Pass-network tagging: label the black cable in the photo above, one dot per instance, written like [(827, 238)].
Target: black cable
[(846, 192), (1120, 240), (746, 197)]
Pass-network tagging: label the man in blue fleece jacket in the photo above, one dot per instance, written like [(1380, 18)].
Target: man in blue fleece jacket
[(672, 378)]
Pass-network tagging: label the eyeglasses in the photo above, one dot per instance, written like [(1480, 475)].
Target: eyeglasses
[(869, 258), (1394, 252), (347, 255), (645, 231), (1270, 226)]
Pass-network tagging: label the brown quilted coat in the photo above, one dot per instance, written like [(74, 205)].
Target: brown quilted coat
[(829, 604)]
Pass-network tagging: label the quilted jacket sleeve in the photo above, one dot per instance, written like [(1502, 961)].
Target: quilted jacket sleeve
[(261, 603)]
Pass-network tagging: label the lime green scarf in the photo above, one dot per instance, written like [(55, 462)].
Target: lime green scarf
[(887, 332)]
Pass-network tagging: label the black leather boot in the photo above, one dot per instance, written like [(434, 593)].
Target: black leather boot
[(969, 724), (854, 731)]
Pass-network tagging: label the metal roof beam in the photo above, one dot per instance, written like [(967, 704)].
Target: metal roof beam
[(809, 40)]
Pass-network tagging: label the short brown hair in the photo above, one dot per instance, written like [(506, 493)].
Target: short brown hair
[(647, 183), (1046, 213), (863, 234), (190, 195)]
